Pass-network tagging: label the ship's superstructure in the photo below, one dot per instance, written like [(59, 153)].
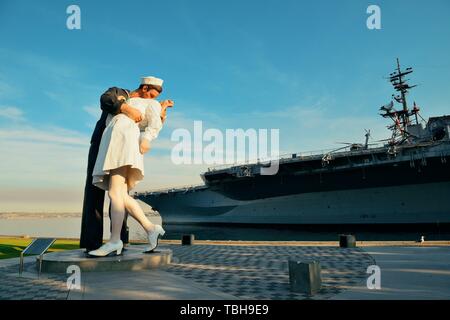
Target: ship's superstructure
[(406, 180)]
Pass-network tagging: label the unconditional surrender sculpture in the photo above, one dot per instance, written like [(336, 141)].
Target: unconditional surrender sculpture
[(129, 122)]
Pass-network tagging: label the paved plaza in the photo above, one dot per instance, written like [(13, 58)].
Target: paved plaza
[(254, 272)]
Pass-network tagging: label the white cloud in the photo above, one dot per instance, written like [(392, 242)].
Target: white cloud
[(94, 111), (41, 163), (161, 172), (6, 89), (59, 70), (302, 128), (45, 173), (38, 199), (44, 135), (11, 113)]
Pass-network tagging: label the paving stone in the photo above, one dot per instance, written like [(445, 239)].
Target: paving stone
[(339, 265), (246, 272)]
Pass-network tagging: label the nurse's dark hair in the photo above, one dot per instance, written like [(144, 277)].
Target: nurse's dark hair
[(151, 86)]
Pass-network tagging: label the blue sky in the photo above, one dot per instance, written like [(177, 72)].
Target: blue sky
[(310, 68)]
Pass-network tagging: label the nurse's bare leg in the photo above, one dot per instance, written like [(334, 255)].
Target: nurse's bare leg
[(135, 210), (117, 188)]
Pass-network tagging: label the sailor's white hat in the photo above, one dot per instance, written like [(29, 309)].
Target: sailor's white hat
[(152, 81)]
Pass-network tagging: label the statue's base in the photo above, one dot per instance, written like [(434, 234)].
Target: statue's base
[(133, 258)]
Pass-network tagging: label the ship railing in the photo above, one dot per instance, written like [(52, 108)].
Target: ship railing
[(187, 187), (282, 157), (305, 155)]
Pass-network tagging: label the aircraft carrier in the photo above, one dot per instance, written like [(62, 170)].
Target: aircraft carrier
[(403, 180)]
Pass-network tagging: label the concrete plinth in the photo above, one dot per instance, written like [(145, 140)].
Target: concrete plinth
[(304, 276), (132, 259)]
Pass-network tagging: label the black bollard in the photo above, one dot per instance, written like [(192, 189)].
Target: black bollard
[(187, 239), (347, 241)]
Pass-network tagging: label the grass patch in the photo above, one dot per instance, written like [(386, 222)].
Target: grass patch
[(12, 247)]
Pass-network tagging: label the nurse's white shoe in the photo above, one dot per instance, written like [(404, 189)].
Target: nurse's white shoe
[(153, 237), (108, 249)]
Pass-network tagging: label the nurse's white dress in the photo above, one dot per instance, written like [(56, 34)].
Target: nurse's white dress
[(120, 142)]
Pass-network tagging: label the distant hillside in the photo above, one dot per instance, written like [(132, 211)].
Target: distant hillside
[(36, 215)]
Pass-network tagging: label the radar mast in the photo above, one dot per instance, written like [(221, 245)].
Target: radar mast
[(401, 118)]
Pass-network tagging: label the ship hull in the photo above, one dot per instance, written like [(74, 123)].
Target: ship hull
[(425, 203)]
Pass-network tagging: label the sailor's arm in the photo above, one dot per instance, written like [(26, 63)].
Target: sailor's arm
[(113, 102)]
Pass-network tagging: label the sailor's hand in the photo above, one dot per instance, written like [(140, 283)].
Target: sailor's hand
[(167, 104), (135, 115), (132, 113), (144, 146)]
